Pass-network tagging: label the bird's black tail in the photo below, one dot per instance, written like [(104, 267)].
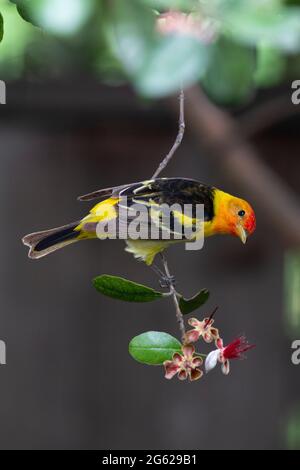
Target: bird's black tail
[(47, 241)]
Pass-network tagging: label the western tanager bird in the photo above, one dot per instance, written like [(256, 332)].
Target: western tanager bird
[(223, 214)]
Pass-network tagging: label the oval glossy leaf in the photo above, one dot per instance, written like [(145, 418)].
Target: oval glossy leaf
[(189, 305), (153, 347), (123, 289)]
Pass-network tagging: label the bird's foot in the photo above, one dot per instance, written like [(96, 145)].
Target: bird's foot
[(167, 281)]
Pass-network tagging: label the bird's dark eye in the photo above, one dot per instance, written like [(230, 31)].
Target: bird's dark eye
[(241, 213)]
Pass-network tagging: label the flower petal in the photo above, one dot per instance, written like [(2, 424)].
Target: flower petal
[(182, 374), (188, 351), (208, 337), (192, 336), (194, 322), (211, 360), (177, 358), (215, 333), (171, 369), (226, 367), (219, 343), (195, 374), (197, 362)]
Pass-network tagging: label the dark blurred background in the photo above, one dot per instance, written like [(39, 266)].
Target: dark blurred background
[(69, 382)]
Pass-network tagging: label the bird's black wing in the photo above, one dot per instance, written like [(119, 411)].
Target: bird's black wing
[(161, 191), (171, 191), (103, 193), (166, 192), (114, 191)]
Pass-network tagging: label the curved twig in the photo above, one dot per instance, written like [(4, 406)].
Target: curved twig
[(174, 293), (178, 139)]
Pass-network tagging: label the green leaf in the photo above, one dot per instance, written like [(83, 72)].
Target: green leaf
[(189, 305), (123, 289), (1, 27), (173, 60), (153, 347), (230, 77)]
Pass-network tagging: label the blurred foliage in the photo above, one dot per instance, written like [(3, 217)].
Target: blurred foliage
[(57, 17), (183, 5), (271, 65), (1, 27), (230, 77), (292, 432), (268, 21), (240, 45), (292, 291)]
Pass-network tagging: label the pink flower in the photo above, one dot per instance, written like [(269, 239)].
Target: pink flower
[(184, 365), (202, 328), (234, 350), (192, 25)]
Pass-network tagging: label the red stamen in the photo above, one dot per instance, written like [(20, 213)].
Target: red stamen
[(210, 318), (237, 348)]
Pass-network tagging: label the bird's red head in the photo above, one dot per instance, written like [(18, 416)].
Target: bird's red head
[(250, 221), (242, 218), (234, 216)]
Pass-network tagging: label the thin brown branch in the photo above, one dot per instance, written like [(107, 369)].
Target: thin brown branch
[(223, 138), (162, 166), (173, 291), (178, 139)]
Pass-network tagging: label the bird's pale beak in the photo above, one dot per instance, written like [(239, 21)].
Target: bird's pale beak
[(242, 233)]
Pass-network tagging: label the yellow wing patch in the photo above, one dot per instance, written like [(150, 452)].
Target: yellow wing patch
[(104, 210)]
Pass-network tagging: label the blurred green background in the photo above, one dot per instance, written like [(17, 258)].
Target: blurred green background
[(239, 46)]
